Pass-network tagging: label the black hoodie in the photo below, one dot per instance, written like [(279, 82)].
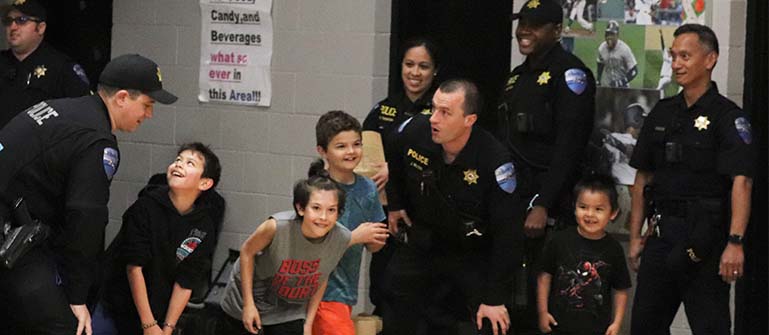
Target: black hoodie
[(170, 248)]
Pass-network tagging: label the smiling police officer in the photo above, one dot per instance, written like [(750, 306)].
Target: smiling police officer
[(60, 156), (31, 70)]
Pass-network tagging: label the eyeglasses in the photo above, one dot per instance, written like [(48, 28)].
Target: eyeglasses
[(20, 20)]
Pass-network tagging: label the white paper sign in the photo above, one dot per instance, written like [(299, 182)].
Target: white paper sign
[(236, 52)]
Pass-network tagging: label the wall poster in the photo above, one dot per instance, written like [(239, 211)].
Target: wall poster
[(236, 52)]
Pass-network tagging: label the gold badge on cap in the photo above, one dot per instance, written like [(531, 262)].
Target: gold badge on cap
[(160, 77), (19, 2), (533, 4), (40, 71), (543, 78), (701, 122), (471, 176)]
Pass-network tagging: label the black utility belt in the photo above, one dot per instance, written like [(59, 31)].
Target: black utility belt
[(682, 207), (20, 234)]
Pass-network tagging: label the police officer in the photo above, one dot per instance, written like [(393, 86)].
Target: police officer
[(31, 70), (695, 160), (60, 156), (546, 114), (452, 183)]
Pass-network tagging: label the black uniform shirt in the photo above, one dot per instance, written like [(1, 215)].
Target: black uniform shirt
[(715, 140), (44, 74), (389, 113), (478, 184), (61, 156), (546, 117)]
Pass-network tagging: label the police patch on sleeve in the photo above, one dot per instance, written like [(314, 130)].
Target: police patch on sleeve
[(743, 129), (81, 73), (505, 175), (576, 80), (110, 159)]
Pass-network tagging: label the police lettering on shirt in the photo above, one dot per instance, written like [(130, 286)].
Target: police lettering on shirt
[(41, 112), (419, 161)]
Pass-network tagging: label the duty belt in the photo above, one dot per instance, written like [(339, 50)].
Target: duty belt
[(677, 208)]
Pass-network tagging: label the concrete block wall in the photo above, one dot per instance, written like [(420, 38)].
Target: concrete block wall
[(327, 55)]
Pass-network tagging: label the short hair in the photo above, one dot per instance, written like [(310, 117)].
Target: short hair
[(432, 49), (211, 166), (333, 123), (473, 100), (599, 183), (111, 91), (706, 35), (304, 188)]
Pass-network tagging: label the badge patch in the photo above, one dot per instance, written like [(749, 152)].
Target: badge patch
[(471, 176), (701, 123), (80, 73), (40, 71), (505, 175), (111, 159), (576, 80), (544, 78), (742, 124), (1, 147), (187, 247)]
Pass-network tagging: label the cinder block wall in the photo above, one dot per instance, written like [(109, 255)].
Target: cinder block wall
[(327, 55)]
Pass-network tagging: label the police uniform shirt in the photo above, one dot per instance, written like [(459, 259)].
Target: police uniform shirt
[(715, 142), (546, 118), (479, 183), (60, 155), (389, 113), (44, 74)]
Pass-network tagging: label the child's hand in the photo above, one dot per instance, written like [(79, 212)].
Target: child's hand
[(613, 329), (370, 233), (545, 320), (251, 320), (154, 330)]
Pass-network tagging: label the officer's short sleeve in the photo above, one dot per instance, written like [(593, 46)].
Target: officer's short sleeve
[(736, 153), (370, 123), (87, 195)]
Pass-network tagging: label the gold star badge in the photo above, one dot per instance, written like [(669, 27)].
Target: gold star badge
[(19, 2), (471, 176), (543, 78), (533, 4), (160, 77), (40, 71), (701, 122)]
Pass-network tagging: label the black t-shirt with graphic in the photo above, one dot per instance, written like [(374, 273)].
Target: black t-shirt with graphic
[(584, 273)]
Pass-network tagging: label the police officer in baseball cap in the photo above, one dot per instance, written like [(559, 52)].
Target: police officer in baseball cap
[(60, 156), (541, 11)]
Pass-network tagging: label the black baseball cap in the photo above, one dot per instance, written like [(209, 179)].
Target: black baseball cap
[(26, 7), (546, 11), (139, 73)]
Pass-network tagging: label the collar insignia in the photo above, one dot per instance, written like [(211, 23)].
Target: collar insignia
[(40, 71), (471, 176), (533, 4), (543, 78), (511, 82), (701, 122)]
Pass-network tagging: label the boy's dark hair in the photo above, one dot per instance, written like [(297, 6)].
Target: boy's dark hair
[(706, 35), (598, 183), (321, 182), (428, 44), (211, 167), (333, 123), (473, 101)]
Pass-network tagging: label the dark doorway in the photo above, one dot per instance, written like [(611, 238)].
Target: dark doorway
[(474, 37), (751, 297), (82, 29)]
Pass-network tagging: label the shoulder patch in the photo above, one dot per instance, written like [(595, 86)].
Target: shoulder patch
[(80, 73), (1, 147), (110, 160), (505, 175), (404, 124), (576, 80), (743, 129)]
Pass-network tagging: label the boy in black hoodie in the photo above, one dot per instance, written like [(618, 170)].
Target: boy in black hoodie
[(164, 248)]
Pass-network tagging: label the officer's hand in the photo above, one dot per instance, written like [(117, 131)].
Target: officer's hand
[(500, 320), (634, 254), (369, 232), (545, 320), (393, 217), (83, 319), (535, 222), (732, 260), (154, 330), (382, 176)]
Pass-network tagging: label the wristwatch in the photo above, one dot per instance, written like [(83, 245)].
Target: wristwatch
[(735, 239)]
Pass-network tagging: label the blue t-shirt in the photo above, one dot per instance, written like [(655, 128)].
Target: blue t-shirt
[(362, 205)]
